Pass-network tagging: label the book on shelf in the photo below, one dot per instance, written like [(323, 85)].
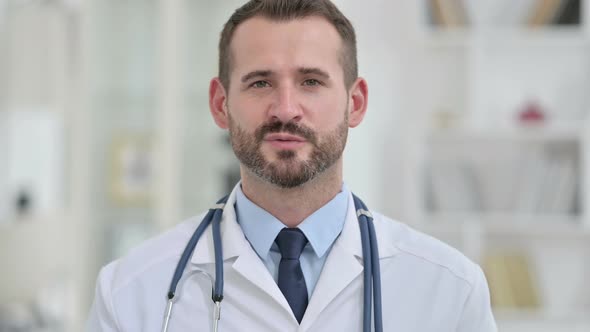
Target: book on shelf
[(529, 188), (448, 13), (544, 12), (453, 187), (547, 12), (530, 181), (564, 189), (570, 13), (549, 184), (511, 281), (532, 13)]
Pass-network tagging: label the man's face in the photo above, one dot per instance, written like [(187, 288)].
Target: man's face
[(287, 103)]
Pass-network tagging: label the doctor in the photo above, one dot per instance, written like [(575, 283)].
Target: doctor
[(287, 92)]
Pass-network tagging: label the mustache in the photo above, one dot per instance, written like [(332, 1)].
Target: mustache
[(286, 127)]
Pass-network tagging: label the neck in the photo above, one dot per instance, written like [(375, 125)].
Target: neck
[(292, 205)]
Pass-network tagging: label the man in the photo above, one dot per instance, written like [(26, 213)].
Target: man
[(287, 92)]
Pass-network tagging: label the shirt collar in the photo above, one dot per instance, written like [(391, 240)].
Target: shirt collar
[(321, 228)]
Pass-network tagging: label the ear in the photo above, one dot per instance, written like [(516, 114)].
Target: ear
[(359, 97), (217, 103)]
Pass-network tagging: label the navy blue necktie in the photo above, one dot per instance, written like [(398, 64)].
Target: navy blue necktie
[(291, 242)]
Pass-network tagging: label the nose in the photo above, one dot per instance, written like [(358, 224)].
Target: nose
[(286, 107)]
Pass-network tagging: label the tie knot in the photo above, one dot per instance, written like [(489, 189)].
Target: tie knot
[(291, 242)]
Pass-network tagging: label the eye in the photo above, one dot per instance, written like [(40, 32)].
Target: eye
[(260, 84), (311, 82)]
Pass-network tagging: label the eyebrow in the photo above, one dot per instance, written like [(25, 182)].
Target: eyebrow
[(315, 71), (267, 73), (256, 73)]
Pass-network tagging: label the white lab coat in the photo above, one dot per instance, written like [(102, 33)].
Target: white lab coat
[(426, 285)]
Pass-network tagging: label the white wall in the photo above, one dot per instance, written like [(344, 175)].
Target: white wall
[(36, 249), (373, 160)]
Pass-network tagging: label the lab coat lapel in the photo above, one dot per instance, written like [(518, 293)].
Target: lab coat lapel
[(235, 245), (249, 266), (341, 268), (344, 263)]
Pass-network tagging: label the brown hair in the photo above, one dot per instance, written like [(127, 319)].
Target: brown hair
[(286, 10)]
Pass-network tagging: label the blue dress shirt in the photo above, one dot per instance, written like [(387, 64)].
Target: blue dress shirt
[(321, 229)]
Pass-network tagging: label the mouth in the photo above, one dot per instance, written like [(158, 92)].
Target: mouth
[(284, 137), (284, 141)]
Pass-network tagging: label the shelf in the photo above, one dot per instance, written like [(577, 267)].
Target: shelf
[(525, 134), (540, 315), (505, 224), (575, 318), (27, 222), (447, 38), (509, 37), (480, 180)]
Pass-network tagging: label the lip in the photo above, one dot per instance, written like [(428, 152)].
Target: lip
[(284, 141), (284, 138)]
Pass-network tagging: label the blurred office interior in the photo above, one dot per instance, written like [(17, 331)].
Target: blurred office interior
[(477, 133)]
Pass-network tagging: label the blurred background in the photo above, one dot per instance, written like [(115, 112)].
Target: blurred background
[(477, 133)]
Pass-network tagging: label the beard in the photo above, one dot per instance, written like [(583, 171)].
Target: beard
[(288, 170)]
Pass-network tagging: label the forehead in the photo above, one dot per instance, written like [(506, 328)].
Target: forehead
[(261, 43)]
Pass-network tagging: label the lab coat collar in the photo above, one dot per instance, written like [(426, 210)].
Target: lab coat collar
[(349, 239), (233, 240), (342, 267)]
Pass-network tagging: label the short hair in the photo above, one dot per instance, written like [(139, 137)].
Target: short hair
[(287, 10)]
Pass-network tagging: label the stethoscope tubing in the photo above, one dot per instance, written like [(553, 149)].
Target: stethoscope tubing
[(217, 295), (371, 273)]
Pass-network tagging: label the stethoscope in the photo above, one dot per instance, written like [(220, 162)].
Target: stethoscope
[(372, 274)]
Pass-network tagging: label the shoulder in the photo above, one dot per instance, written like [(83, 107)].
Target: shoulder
[(162, 250), (426, 249), (440, 275)]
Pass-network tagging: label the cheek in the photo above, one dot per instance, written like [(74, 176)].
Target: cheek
[(246, 114), (330, 113)]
